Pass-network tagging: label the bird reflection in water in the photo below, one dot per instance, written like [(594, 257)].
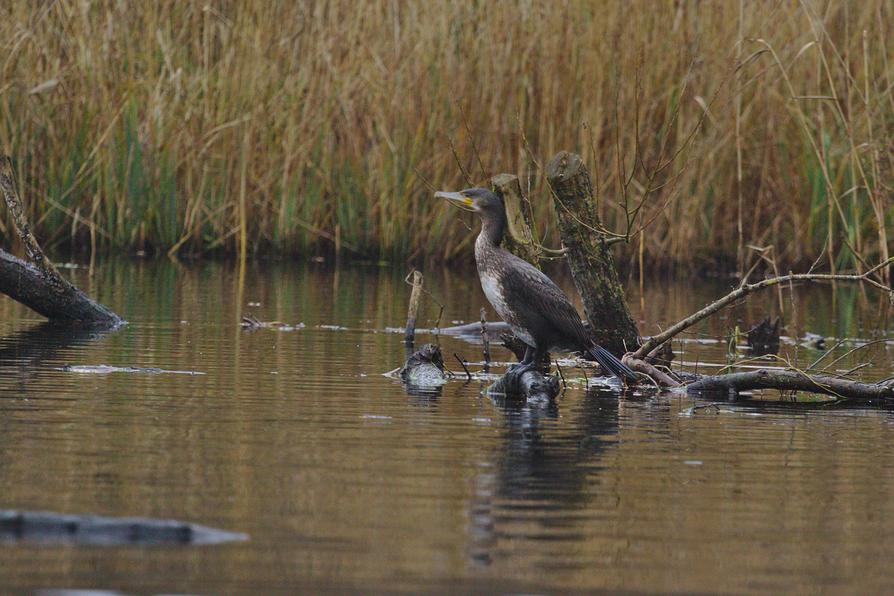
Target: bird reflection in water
[(541, 474)]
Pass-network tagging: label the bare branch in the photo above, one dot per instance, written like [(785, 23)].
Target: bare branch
[(745, 289)]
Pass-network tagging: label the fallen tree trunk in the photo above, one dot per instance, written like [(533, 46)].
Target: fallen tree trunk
[(53, 297), (39, 286), (791, 380)]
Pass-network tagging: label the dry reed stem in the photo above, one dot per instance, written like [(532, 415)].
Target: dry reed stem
[(189, 126)]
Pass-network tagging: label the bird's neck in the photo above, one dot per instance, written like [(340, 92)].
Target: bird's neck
[(492, 231)]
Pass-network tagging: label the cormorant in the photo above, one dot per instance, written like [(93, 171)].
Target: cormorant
[(534, 307)]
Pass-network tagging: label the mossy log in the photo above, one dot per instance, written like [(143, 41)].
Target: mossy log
[(589, 255)]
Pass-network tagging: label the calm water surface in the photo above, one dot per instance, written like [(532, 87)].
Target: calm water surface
[(345, 481)]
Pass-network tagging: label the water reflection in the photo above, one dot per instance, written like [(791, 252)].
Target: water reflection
[(542, 476), (24, 352), (347, 480)]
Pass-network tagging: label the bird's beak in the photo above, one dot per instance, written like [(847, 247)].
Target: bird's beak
[(457, 198)]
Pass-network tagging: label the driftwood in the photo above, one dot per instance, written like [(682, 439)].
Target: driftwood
[(589, 255), (791, 380), (784, 380), (661, 378), (39, 286)]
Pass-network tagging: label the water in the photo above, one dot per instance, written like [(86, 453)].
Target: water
[(345, 482)]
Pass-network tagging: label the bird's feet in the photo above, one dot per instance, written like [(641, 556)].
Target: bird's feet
[(512, 378)]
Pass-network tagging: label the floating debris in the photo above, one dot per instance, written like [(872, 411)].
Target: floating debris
[(332, 327), (249, 323), (813, 340), (105, 369)]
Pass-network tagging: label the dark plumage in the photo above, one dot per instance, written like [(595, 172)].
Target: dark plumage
[(538, 312)]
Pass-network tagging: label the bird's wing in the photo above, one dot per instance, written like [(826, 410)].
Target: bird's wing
[(540, 301)]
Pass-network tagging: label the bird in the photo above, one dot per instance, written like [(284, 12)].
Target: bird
[(534, 307)]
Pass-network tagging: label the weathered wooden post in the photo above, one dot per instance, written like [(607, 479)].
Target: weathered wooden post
[(588, 254), (413, 310), (520, 240)]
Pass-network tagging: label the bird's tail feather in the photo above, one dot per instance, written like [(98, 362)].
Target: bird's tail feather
[(610, 364)]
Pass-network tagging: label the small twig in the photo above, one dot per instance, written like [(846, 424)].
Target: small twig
[(561, 376), (484, 340), (826, 353), (475, 151), (851, 351), (705, 407), (462, 169), (463, 364)]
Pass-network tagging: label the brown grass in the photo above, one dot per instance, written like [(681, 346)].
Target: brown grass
[(193, 126)]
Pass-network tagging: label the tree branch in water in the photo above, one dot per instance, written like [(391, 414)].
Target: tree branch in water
[(39, 286), (745, 288)]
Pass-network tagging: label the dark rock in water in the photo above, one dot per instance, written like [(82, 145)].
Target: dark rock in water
[(44, 527), (425, 367), (763, 338)]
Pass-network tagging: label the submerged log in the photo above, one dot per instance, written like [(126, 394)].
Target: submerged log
[(44, 527), (531, 385), (589, 255), (39, 286)]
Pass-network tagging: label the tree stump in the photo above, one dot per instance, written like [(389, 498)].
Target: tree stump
[(589, 256)]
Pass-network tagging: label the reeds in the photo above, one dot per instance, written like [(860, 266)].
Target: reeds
[(297, 126)]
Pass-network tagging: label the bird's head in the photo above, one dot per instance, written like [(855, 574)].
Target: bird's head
[(480, 200)]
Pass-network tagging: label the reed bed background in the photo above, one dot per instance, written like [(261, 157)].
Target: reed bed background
[(189, 127)]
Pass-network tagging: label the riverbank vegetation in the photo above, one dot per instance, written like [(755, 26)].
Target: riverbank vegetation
[(302, 126)]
